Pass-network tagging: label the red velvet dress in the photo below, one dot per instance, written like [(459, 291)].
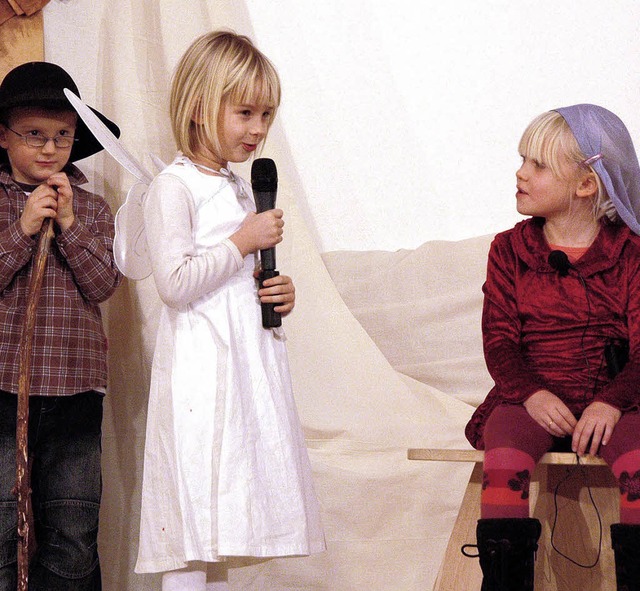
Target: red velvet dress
[(545, 331)]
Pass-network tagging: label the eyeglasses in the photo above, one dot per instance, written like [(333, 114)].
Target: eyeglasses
[(39, 141)]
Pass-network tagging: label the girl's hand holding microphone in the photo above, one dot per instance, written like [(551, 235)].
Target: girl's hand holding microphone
[(259, 231), (278, 290)]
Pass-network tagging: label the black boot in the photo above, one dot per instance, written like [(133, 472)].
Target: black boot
[(507, 548), (625, 541)]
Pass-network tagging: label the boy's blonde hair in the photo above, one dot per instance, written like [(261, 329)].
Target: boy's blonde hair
[(548, 139), (218, 66)]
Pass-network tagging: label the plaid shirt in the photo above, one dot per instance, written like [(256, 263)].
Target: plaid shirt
[(69, 345)]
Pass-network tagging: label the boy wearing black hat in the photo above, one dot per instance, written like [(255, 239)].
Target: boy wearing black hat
[(40, 136)]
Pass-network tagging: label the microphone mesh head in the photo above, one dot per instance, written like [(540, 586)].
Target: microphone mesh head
[(264, 175)]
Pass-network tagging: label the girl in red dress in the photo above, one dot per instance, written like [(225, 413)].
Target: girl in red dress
[(561, 334)]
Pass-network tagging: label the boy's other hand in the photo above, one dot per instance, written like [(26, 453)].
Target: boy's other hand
[(64, 212)]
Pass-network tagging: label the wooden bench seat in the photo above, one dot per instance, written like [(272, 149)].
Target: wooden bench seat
[(474, 455), (577, 534)]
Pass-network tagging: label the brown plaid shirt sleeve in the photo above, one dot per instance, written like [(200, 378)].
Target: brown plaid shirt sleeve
[(70, 349)]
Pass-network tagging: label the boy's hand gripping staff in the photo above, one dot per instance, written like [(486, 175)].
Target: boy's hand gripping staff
[(23, 489), (264, 182)]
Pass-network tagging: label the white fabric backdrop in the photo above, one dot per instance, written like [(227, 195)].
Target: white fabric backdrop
[(402, 118), (399, 126)]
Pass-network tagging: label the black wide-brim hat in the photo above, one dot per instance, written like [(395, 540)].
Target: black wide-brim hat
[(42, 84)]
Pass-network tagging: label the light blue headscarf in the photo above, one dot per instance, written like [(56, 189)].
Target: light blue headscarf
[(605, 141)]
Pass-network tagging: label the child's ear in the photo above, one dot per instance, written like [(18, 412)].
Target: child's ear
[(197, 117), (588, 186), (3, 136)]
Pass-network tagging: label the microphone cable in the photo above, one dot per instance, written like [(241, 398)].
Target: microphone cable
[(570, 472), (584, 334), (559, 261)]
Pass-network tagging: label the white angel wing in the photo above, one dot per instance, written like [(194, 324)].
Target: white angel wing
[(130, 249), (110, 142), (159, 164)]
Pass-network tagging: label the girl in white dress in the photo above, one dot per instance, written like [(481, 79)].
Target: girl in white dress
[(226, 471)]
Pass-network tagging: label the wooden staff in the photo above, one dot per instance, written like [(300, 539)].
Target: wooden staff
[(23, 485)]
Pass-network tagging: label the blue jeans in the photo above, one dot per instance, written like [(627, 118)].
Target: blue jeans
[(65, 450)]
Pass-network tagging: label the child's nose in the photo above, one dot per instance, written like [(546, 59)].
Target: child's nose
[(49, 145), (259, 128)]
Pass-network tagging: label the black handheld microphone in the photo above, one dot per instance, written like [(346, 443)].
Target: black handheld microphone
[(559, 260), (264, 182)]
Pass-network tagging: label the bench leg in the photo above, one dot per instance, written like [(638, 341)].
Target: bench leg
[(458, 571)]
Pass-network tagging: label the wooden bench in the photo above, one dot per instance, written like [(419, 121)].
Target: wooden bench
[(577, 531)]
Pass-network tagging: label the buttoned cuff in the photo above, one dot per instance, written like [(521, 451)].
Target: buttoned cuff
[(19, 240)]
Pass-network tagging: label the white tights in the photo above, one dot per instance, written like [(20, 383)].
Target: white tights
[(198, 576)]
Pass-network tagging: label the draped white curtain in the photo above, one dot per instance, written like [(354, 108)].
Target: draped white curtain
[(402, 118), (399, 126)]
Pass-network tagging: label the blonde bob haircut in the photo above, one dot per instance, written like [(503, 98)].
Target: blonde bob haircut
[(218, 66), (548, 139)]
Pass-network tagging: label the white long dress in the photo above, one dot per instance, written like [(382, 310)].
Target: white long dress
[(226, 471)]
